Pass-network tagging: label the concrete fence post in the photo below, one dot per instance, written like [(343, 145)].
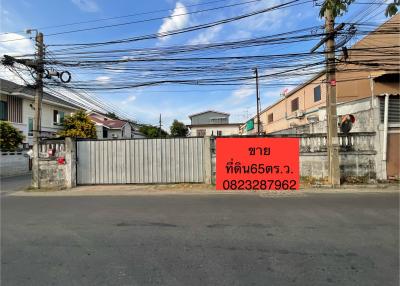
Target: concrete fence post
[(207, 160), (70, 163)]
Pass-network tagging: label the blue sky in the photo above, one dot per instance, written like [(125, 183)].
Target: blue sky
[(172, 101)]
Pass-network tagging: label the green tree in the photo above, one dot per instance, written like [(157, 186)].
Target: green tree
[(10, 137), (392, 8), (178, 129), (340, 6), (78, 125), (152, 131), (112, 115)]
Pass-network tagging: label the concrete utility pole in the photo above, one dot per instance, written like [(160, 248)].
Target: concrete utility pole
[(38, 108), (333, 140), (258, 102)]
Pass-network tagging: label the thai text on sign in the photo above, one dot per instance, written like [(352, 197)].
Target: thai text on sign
[(257, 163)]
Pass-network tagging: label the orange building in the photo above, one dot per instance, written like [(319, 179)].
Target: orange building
[(377, 74)]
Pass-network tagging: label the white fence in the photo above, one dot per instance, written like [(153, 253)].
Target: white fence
[(172, 160), (13, 164)]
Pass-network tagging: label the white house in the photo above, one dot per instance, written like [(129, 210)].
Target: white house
[(212, 122), (109, 128), (17, 107)]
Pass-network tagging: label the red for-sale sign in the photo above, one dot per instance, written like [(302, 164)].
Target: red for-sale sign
[(257, 163)]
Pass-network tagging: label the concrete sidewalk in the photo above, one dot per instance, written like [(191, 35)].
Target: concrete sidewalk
[(187, 189)]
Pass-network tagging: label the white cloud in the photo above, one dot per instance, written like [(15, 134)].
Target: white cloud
[(103, 79), (13, 48), (15, 44), (86, 5), (206, 37), (242, 93), (174, 21), (129, 99), (269, 21)]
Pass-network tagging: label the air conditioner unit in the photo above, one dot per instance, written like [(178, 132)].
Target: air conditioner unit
[(313, 118), (299, 113)]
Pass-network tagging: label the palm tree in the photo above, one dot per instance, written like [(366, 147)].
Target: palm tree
[(340, 6)]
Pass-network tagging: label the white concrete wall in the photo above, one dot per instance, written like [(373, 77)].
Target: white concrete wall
[(226, 130), (118, 132), (99, 131), (114, 132), (13, 164), (127, 131)]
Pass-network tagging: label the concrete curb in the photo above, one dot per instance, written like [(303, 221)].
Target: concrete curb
[(146, 190)]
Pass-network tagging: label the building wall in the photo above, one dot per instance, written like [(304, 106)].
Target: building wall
[(226, 130), (117, 132), (205, 118), (353, 82), (47, 118), (284, 117), (28, 111)]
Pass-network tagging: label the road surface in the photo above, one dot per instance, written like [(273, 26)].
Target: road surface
[(318, 239)]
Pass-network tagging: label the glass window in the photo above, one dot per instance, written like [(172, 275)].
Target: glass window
[(61, 116), (295, 104), (270, 117), (317, 93), (105, 132), (3, 110), (219, 133), (30, 126), (58, 117), (55, 116)]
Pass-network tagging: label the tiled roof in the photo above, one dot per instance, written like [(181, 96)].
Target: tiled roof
[(11, 87), (108, 122)]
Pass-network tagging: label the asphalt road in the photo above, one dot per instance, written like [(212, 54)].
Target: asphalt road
[(319, 239)]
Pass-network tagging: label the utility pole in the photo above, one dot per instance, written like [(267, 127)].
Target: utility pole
[(38, 109), (258, 102), (333, 140)]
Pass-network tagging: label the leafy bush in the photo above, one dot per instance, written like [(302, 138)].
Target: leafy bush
[(152, 131), (78, 125), (10, 137), (179, 129)]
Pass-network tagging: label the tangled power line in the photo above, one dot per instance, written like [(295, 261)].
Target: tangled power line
[(213, 64)]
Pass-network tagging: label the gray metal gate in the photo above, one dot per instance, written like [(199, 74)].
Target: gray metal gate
[(175, 160)]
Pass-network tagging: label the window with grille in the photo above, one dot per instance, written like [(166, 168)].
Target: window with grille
[(394, 109), (201, 132)]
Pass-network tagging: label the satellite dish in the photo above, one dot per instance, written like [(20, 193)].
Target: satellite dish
[(347, 123)]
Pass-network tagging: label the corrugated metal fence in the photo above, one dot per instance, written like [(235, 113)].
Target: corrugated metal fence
[(175, 160)]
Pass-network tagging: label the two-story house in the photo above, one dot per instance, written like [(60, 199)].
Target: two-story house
[(212, 122), (17, 106)]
